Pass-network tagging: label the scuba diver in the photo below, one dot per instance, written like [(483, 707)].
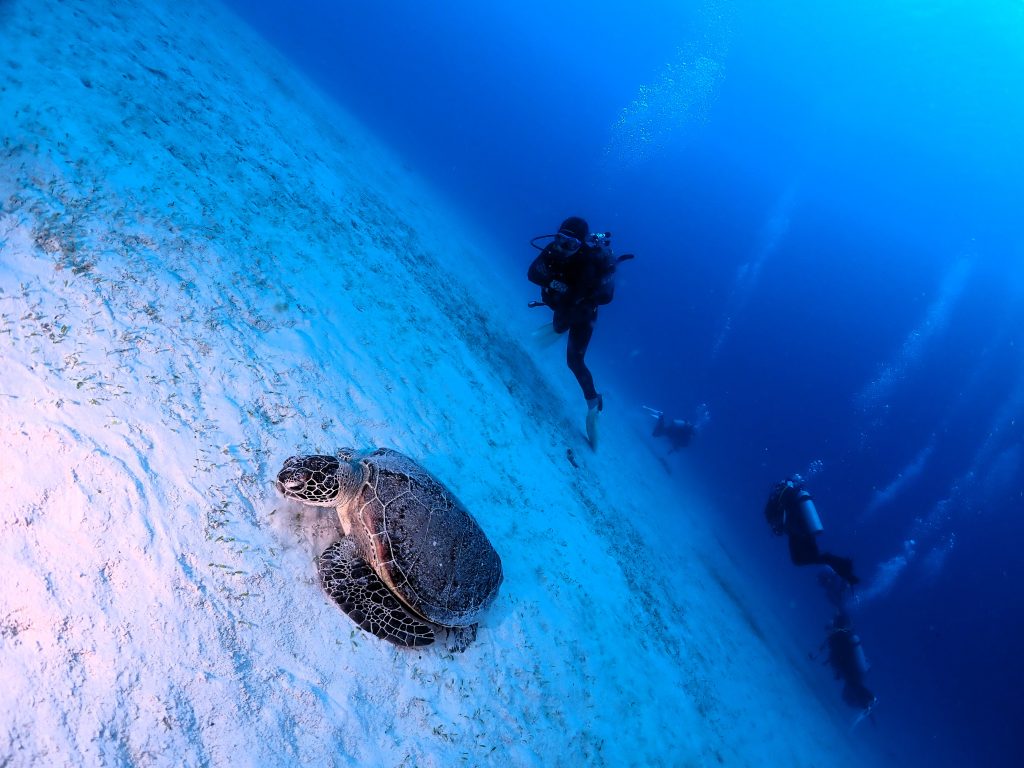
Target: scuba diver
[(679, 432), (848, 662), (576, 273), (790, 510)]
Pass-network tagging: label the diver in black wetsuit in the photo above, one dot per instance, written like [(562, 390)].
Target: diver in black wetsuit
[(790, 510), (678, 432), (576, 275), (848, 662)]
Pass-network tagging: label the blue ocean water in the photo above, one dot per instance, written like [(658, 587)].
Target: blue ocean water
[(824, 200)]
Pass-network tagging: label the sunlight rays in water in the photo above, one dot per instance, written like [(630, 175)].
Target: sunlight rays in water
[(917, 342), (680, 96), (775, 229)]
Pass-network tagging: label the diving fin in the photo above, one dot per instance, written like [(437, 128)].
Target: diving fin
[(594, 406), (544, 336)]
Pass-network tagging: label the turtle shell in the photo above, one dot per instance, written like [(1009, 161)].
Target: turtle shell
[(422, 542)]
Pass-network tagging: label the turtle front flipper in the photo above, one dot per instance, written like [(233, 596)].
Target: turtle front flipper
[(458, 639), (359, 592)]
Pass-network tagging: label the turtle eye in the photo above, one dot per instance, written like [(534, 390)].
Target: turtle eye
[(294, 482), (293, 479)]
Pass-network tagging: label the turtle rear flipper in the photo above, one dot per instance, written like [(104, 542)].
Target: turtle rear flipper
[(359, 592)]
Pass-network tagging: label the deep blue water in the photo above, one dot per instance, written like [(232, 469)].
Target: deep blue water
[(825, 203)]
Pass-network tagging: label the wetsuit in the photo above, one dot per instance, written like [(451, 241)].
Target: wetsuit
[(588, 280)]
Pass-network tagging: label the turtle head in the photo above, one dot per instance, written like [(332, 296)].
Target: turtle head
[(311, 479)]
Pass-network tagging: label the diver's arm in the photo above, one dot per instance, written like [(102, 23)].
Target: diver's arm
[(545, 268), (538, 272)]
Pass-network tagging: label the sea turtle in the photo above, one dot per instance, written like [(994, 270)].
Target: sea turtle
[(412, 559)]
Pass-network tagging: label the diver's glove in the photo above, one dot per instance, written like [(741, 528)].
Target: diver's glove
[(557, 286)]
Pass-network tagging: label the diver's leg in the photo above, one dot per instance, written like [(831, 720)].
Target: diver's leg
[(560, 321), (803, 549), (579, 340), (841, 565)]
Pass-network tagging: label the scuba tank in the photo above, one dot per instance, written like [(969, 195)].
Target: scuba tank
[(807, 513), (788, 501), (860, 661), (602, 241)]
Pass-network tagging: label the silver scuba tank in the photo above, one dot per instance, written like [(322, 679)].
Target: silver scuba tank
[(807, 513), (859, 659)]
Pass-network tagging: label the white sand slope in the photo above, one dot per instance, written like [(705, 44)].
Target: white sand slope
[(204, 269)]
